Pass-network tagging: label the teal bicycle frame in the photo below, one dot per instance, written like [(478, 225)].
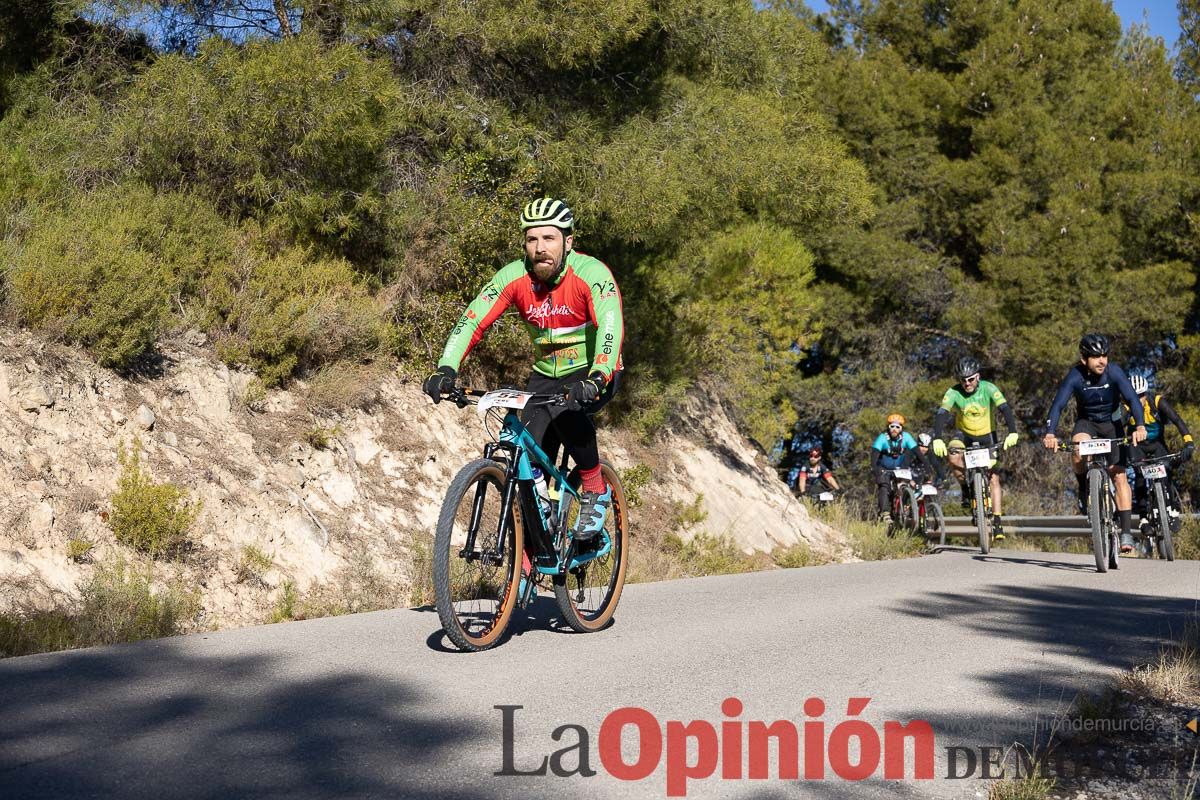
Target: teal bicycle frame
[(550, 547)]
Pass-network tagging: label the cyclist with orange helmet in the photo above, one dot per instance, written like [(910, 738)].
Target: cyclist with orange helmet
[(895, 448)]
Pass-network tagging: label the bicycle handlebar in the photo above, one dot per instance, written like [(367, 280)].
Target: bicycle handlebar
[(1061, 446), (463, 396)]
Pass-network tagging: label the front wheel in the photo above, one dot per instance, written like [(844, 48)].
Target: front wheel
[(910, 513), (1166, 545), (935, 523), (1099, 517), (476, 560), (588, 594), (982, 523)]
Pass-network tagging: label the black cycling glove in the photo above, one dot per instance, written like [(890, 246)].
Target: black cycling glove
[(585, 392), (440, 381)]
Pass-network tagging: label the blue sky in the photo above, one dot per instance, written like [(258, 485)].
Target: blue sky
[(1162, 15)]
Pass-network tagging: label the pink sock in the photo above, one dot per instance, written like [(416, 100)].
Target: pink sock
[(592, 482)]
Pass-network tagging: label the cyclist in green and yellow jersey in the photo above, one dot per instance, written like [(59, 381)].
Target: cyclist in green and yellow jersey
[(971, 402)]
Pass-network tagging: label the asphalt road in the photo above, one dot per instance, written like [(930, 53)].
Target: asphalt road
[(374, 705)]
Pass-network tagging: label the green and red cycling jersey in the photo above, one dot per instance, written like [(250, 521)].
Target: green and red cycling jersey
[(575, 323)]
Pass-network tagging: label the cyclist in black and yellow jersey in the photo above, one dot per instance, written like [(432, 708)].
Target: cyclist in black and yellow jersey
[(1157, 412), (971, 402)]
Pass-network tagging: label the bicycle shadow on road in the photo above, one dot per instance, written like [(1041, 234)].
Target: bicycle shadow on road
[(160, 719), (540, 615), (1000, 558)]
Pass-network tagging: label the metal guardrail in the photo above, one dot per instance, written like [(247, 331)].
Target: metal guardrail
[(1064, 526)]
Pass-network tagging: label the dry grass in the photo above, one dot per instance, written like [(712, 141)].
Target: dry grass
[(868, 538), (342, 385), (119, 603), (1174, 676)]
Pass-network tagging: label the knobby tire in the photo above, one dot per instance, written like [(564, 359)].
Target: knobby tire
[(475, 600)]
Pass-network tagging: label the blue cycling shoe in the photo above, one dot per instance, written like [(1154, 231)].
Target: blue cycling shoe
[(593, 511)]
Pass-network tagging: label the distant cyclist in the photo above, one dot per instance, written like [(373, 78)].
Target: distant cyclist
[(936, 471), (1098, 388), (971, 402), (814, 476), (893, 449), (1155, 410)]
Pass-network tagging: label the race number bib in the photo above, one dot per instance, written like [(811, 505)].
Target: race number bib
[(503, 398), (1095, 447), (1154, 471), (980, 457)]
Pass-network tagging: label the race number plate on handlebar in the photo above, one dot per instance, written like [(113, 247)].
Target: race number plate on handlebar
[(1095, 447), (979, 458), (825, 497), (902, 474), (928, 489), (503, 398), (1154, 471)]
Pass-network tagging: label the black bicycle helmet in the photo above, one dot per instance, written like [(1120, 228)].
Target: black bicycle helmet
[(1093, 344), (967, 366)]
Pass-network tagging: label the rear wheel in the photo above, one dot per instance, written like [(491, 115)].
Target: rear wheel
[(588, 594), (1097, 513), (979, 507), (476, 566), (1166, 545)]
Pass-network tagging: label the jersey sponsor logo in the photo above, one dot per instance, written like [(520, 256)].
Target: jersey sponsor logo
[(604, 289), (490, 293), (1087, 388), (546, 309), (471, 314), (602, 359), (610, 338)]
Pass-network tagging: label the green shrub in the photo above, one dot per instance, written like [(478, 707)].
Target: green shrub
[(104, 272), (285, 604), (153, 518), (292, 310), (634, 480), (252, 564), (798, 555), (320, 437), (706, 554), (79, 550), (118, 604)]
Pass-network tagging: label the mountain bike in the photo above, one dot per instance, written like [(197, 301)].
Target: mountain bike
[(978, 463), (1101, 500), (933, 522), (1158, 521), (499, 538), (906, 511)]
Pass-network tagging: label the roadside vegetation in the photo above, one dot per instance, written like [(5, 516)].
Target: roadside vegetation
[(121, 602), (820, 214)]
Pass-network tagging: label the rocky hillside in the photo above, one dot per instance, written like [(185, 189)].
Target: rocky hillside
[(296, 497)]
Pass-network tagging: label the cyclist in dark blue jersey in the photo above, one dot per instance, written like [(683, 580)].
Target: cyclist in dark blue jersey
[(1099, 389)]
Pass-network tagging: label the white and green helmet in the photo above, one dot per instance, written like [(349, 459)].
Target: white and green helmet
[(547, 211)]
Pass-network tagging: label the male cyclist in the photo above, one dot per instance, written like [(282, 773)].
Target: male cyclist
[(1156, 409), (571, 308), (892, 449), (936, 472), (972, 401), (814, 476), (1098, 388)]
